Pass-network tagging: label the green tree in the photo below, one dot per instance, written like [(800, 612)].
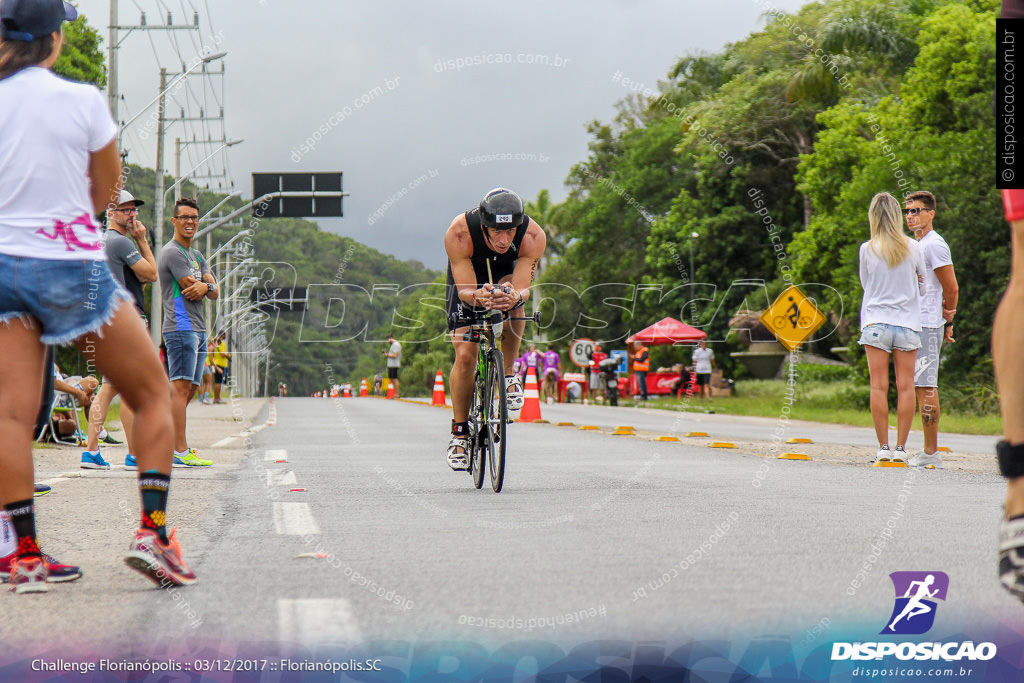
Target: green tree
[(82, 58)]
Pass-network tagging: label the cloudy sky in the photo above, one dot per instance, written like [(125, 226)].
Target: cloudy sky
[(424, 106)]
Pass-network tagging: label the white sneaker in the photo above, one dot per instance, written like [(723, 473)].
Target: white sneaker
[(899, 455), (514, 393), (922, 459), (883, 455)]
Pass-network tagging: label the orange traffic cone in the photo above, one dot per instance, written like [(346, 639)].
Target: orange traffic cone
[(363, 390), (346, 392), (438, 399), (391, 389), (531, 406)]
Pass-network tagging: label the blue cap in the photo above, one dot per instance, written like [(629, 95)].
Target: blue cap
[(30, 20)]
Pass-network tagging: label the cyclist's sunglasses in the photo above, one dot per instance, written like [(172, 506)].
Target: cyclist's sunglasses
[(913, 212)]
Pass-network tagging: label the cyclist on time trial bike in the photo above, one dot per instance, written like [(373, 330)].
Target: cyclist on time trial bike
[(492, 245)]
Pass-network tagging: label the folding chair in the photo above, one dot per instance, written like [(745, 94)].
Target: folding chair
[(55, 402)]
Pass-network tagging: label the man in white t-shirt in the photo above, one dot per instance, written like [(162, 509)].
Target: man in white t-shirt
[(938, 307), (704, 363), (394, 354)]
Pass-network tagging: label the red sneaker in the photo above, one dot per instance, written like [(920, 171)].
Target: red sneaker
[(58, 573), (28, 575), (161, 563)]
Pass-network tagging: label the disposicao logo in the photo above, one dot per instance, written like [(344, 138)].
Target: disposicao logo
[(916, 593), (914, 614)]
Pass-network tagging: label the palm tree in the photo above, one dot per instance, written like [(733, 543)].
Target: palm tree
[(858, 32), (546, 214)]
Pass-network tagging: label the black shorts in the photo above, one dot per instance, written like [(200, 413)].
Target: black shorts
[(393, 373), (703, 378)]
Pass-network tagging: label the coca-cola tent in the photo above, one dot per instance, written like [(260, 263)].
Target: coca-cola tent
[(668, 331)]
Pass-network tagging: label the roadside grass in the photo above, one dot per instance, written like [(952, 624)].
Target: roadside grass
[(835, 402)]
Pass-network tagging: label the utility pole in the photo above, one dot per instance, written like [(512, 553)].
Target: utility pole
[(156, 307), (113, 93), (112, 64)]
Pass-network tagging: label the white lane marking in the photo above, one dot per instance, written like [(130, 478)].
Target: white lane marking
[(317, 621), (223, 442), (294, 519), (286, 478), (274, 454)]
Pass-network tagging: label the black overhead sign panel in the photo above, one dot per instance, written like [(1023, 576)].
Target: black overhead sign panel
[(306, 195)]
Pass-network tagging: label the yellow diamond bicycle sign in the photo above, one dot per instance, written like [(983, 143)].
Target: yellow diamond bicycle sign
[(792, 318)]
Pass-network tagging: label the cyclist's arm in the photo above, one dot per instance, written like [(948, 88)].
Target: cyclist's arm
[(530, 253), (459, 247)]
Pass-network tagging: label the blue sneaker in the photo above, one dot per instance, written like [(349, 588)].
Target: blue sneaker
[(129, 462), (41, 490), (94, 461)]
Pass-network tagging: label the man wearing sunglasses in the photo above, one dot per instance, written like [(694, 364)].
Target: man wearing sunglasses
[(491, 245), (938, 308)]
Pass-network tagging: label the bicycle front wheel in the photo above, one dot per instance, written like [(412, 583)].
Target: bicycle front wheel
[(477, 432), (497, 420)]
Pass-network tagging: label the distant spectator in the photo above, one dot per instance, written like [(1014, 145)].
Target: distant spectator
[(221, 365), (206, 385), (641, 365), (394, 354), (892, 274), (704, 365), (551, 364), (596, 375)]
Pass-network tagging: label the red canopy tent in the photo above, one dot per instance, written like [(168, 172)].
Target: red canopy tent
[(668, 331), (665, 331)]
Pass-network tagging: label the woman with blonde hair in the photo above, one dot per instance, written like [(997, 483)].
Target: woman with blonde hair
[(892, 276)]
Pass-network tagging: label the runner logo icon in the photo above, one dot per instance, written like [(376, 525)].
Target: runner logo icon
[(916, 595)]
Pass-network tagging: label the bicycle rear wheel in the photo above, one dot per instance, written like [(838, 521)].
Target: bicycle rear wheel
[(497, 420), (477, 433)]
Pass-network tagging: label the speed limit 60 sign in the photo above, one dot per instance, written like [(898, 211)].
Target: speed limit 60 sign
[(579, 352)]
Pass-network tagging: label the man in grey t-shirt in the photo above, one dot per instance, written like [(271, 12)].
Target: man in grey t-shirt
[(185, 281), (132, 263)]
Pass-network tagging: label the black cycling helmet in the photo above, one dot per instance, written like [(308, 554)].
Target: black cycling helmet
[(501, 209)]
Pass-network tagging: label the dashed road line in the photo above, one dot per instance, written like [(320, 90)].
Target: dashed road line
[(294, 519), (311, 622)]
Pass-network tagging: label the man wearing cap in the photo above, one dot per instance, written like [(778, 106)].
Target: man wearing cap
[(132, 263)]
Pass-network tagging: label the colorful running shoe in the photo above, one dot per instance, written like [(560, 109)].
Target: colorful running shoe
[(41, 490), (193, 459), (28, 575), (129, 462), (94, 461), (160, 563), (58, 573), (106, 438)]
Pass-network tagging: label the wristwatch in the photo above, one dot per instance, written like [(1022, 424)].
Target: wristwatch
[(209, 288)]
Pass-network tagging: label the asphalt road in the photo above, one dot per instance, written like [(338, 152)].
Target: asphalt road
[(341, 524)]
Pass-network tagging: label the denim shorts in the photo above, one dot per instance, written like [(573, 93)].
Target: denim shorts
[(68, 298), (889, 337), (186, 355)]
